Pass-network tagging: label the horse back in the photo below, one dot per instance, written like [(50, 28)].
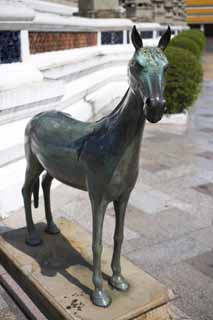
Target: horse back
[(56, 139)]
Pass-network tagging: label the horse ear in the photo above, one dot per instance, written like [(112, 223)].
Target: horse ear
[(164, 41), (136, 39)]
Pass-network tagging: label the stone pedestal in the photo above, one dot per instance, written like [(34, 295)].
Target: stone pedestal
[(57, 276)]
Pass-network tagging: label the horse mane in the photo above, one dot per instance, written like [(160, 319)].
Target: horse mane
[(115, 109)]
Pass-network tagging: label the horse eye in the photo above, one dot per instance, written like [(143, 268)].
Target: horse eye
[(138, 65)]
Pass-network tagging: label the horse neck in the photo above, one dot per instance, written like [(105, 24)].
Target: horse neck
[(129, 116)]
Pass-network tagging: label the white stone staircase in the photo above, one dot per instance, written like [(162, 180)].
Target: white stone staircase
[(18, 103)]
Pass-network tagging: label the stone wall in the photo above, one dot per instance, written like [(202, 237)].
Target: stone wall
[(161, 11), (54, 41), (99, 8)]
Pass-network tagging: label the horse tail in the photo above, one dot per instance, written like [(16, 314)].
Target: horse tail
[(36, 192)]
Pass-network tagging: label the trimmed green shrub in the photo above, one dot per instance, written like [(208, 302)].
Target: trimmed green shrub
[(186, 43), (196, 35), (183, 79)]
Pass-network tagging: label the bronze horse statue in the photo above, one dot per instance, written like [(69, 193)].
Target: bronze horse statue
[(100, 157)]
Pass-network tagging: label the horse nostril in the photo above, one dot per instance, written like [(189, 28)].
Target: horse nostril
[(156, 102), (148, 101), (151, 102)]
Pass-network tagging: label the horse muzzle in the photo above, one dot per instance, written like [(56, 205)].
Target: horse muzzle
[(154, 109)]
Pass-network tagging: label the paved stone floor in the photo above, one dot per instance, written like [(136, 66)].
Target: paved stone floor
[(169, 231)]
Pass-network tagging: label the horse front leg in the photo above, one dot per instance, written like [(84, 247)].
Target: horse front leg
[(117, 280), (99, 295)]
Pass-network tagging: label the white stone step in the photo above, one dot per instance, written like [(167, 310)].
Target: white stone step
[(72, 91), (73, 71), (29, 95), (28, 110)]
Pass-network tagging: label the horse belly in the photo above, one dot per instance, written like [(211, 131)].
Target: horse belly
[(64, 166)]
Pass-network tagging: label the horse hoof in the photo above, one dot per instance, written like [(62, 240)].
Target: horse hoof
[(52, 228), (101, 298), (33, 240), (119, 283)]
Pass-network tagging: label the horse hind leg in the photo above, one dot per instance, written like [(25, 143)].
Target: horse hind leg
[(33, 171), (46, 185)]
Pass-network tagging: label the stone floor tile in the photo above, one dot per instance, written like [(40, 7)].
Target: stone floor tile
[(203, 263), (154, 167), (151, 201), (207, 155), (198, 204), (141, 186), (204, 173), (177, 314), (194, 290), (204, 163), (204, 236), (168, 224), (144, 224), (207, 130), (206, 188), (131, 245), (166, 253), (181, 183), (175, 223)]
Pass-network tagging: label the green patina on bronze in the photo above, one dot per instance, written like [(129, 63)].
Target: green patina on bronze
[(100, 157), (153, 63)]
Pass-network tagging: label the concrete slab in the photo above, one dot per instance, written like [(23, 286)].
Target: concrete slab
[(57, 276)]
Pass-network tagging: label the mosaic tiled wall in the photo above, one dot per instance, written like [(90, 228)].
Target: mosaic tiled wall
[(113, 37), (10, 47), (54, 41)]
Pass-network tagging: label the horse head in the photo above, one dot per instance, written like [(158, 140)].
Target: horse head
[(147, 70)]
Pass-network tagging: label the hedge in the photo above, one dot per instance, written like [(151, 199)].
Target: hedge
[(183, 79), (196, 35), (183, 42)]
